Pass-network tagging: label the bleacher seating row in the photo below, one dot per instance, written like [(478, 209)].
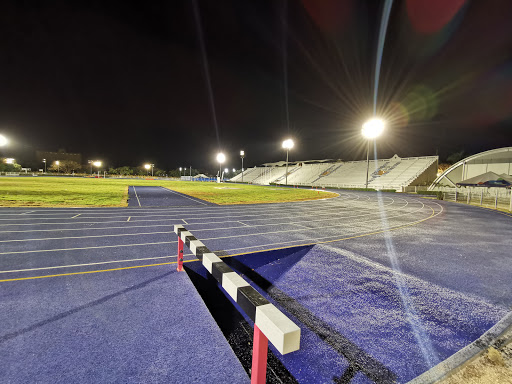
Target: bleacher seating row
[(394, 173)]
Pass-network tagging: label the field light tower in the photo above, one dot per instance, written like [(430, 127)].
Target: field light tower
[(3, 141), (287, 144), (57, 163), (44, 161), (372, 129), (180, 172), (148, 166), (242, 155), (220, 158), (97, 164)]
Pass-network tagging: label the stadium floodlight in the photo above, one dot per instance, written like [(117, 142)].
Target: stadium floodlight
[(234, 170), (242, 155), (226, 170), (220, 158), (9, 160), (97, 164), (287, 144), (44, 161), (3, 141), (149, 166), (57, 163), (372, 129)]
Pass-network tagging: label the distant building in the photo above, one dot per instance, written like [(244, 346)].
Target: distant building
[(61, 155)]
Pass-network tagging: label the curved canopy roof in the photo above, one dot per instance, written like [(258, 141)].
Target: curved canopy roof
[(496, 160)]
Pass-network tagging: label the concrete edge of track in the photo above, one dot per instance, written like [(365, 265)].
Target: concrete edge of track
[(467, 354)]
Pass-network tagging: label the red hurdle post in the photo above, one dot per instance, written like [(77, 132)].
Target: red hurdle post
[(259, 357), (180, 255)]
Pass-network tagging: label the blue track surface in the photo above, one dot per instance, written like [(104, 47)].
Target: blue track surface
[(160, 197), (403, 281), (145, 325)]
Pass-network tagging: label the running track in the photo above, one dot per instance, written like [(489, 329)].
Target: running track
[(459, 248)]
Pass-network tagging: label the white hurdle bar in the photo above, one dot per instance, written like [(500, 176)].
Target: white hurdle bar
[(270, 324)]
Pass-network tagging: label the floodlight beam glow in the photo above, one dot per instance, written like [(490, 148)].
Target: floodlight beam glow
[(221, 158), (288, 144), (3, 141), (373, 128)]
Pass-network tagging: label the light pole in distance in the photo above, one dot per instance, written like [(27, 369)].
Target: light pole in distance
[(148, 167), (220, 158), (97, 164), (287, 144), (44, 161), (57, 163), (242, 155), (372, 129)]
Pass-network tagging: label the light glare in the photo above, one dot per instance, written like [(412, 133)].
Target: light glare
[(288, 144), (9, 161), (373, 128), (221, 158), (97, 163), (3, 140)]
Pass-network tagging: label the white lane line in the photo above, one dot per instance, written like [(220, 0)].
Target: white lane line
[(203, 215), (266, 245), (183, 195), (76, 215), (88, 237), (82, 248), (297, 217), (184, 221), (128, 218), (136, 196), (87, 264), (214, 238), (348, 237), (24, 213)]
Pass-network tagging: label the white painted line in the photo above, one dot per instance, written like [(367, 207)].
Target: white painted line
[(129, 217), (24, 213), (184, 221), (182, 195), (137, 196), (76, 215), (87, 264), (82, 248), (86, 237), (243, 224)]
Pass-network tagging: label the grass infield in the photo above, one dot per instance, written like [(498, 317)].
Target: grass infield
[(89, 192)]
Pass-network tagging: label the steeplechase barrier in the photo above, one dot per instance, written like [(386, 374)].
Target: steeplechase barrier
[(270, 324)]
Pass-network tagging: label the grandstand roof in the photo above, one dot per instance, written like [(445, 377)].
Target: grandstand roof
[(282, 163), (496, 160)]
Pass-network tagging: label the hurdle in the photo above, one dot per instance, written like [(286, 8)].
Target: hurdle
[(270, 324)]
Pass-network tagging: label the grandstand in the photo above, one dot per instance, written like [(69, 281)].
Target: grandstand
[(394, 173)]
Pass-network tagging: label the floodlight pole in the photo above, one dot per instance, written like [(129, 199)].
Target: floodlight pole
[(242, 155), (367, 161), (286, 176)]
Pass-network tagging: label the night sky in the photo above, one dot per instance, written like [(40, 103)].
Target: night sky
[(127, 83)]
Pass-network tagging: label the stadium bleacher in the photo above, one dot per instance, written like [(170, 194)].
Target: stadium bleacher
[(394, 173)]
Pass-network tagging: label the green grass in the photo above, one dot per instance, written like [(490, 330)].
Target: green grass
[(89, 192)]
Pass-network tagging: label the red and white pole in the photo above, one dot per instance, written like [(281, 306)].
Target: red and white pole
[(259, 357), (180, 255)]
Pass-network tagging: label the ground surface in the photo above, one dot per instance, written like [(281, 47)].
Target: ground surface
[(405, 282), (99, 192)]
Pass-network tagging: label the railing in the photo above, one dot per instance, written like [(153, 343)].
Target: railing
[(483, 199)]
